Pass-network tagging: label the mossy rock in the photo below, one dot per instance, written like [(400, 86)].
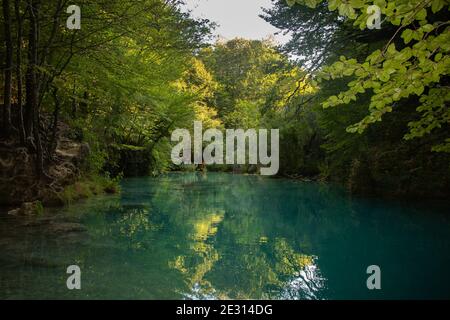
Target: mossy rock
[(28, 209)]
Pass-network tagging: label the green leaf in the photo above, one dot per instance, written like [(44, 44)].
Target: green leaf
[(407, 35), (428, 27), (291, 2), (419, 90), (357, 3), (391, 49), (311, 3), (422, 14), (333, 5), (437, 5)]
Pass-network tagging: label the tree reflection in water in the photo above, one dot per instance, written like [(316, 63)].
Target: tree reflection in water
[(222, 236)]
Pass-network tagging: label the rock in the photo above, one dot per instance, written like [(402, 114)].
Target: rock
[(85, 150), (15, 212), (39, 222), (18, 177), (74, 238), (17, 181), (31, 208), (50, 198), (40, 262), (28, 209), (66, 227)]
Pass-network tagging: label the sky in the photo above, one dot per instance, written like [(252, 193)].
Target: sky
[(236, 18)]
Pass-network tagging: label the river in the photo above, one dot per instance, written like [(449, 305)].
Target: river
[(223, 236)]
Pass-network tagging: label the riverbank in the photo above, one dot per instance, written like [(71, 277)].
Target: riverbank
[(65, 178), (359, 184)]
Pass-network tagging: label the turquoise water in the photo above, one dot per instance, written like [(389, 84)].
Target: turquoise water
[(222, 236)]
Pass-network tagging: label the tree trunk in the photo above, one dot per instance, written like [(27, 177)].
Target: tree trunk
[(53, 143), (74, 102), (19, 71), (8, 67), (33, 118), (44, 79), (31, 77)]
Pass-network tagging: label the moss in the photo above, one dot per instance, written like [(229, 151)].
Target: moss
[(39, 208), (88, 187)]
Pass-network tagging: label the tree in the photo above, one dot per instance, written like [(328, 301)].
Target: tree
[(8, 66), (117, 71), (379, 159), (419, 65), (248, 73)]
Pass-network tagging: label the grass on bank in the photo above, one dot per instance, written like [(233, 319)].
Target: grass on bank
[(88, 187)]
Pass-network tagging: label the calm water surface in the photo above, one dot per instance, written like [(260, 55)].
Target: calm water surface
[(222, 236)]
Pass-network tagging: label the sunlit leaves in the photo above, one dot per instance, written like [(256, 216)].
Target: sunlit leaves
[(253, 77), (437, 5), (392, 73), (397, 12), (131, 78)]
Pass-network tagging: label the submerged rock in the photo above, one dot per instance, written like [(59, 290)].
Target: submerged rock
[(66, 227), (36, 261)]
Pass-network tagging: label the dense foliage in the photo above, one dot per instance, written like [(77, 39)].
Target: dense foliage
[(398, 73), (113, 80)]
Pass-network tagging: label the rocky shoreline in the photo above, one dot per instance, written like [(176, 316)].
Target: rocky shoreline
[(22, 191)]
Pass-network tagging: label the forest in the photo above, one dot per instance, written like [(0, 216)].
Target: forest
[(364, 108)]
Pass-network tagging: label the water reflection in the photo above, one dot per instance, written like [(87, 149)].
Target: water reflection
[(219, 236), (196, 263), (271, 267)]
